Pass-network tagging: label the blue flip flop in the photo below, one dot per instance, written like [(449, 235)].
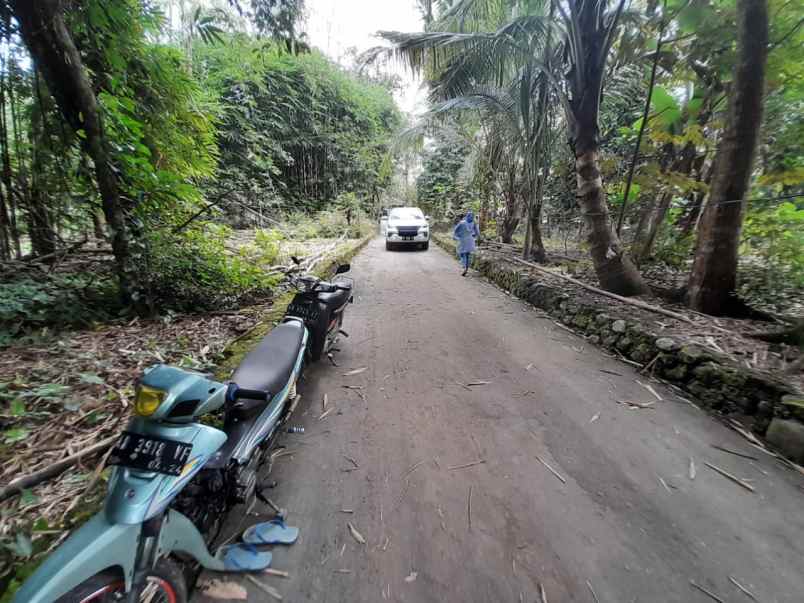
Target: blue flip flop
[(244, 558), (271, 532)]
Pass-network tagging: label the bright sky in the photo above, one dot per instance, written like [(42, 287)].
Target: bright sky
[(335, 25)]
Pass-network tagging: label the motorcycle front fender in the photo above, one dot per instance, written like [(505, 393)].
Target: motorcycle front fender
[(96, 546)]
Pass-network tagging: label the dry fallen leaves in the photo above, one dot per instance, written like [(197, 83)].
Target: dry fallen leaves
[(356, 371), (217, 589), (635, 405), (355, 534)]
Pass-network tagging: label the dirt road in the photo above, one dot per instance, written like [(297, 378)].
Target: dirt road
[(449, 483)]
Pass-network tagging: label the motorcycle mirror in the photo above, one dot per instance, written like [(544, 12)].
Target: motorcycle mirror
[(343, 268)]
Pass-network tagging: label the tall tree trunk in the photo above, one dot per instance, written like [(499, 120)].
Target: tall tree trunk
[(591, 37), (713, 279), (510, 220), (615, 270), (40, 217), (5, 230), (49, 41), (655, 218), (483, 217), (537, 250), (8, 213)]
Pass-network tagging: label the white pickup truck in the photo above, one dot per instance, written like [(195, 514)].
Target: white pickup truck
[(406, 226)]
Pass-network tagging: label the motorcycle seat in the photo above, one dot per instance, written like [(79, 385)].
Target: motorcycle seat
[(268, 366), (337, 298)]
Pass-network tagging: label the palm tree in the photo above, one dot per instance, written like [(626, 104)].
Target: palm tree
[(511, 138), (492, 42), (713, 279)]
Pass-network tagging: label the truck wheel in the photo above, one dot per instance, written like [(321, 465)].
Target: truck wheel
[(426, 245)]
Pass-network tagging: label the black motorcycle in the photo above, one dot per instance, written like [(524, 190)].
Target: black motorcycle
[(310, 328)]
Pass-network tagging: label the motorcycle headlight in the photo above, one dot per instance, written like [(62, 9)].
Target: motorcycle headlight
[(147, 400)]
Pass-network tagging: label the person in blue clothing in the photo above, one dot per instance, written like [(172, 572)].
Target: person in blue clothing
[(466, 232)]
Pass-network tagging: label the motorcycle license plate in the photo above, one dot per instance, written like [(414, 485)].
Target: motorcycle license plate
[(307, 312), (147, 453)]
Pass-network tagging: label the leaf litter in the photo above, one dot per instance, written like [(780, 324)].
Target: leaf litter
[(218, 589), (355, 534), (74, 390)]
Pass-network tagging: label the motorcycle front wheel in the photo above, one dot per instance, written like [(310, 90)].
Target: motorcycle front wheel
[(163, 584)]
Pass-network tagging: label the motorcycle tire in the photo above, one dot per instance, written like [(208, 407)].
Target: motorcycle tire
[(165, 584)]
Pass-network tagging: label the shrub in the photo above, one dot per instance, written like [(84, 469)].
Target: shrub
[(329, 224), (29, 303), (195, 270)]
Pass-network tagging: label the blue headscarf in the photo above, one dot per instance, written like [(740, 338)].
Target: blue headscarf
[(470, 217)]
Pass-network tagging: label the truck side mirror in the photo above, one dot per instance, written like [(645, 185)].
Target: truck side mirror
[(343, 268)]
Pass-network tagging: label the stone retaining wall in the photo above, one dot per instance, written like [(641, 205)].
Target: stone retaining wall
[(716, 381)]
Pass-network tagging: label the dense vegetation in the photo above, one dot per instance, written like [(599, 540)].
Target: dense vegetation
[(145, 129), (684, 123)]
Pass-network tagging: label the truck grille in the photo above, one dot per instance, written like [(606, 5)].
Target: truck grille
[(408, 231)]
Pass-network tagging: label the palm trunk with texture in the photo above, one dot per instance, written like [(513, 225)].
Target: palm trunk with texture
[(615, 270), (713, 279), (51, 45)]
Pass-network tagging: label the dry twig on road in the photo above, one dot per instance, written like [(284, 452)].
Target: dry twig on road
[(269, 590), (469, 508), (706, 592), (465, 465), (747, 592), (733, 478), (735, 453), (553, 471)]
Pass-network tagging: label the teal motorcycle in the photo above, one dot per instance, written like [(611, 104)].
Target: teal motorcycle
[(174, 478)]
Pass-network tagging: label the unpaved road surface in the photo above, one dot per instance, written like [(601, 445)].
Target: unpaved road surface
[(624, 519)]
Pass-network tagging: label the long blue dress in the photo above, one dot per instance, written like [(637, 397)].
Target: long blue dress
[(466, 233)]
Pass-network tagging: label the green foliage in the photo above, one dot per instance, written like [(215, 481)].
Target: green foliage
[(30, 303), (328, 224), (773, 247), (440, 189), (156, 115), (295, 130), (195, 270)]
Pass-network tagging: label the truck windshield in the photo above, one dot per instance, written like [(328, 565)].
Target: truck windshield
[(405, 213)]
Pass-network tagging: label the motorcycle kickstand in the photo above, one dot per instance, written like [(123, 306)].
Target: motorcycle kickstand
[(265, 500)]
